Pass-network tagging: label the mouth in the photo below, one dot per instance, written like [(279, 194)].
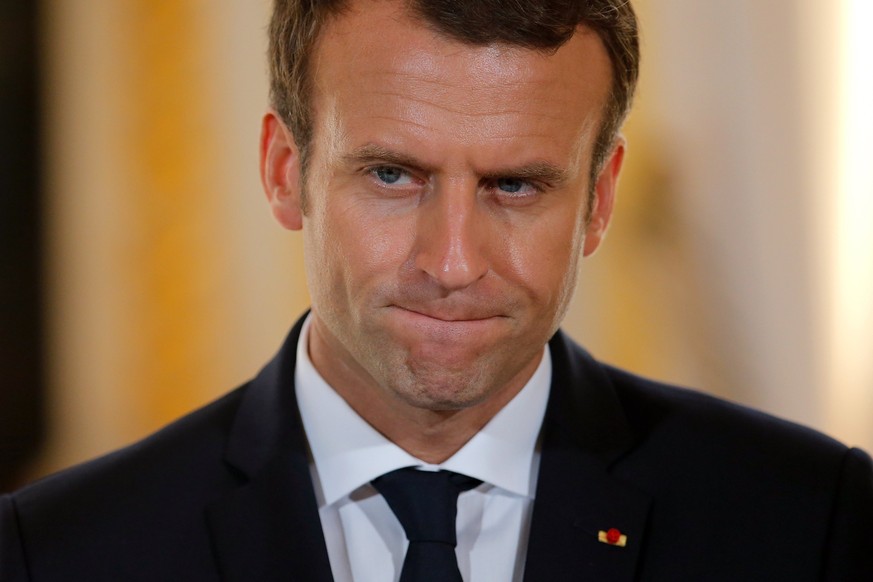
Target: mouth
[(449, 330), (448, 315)]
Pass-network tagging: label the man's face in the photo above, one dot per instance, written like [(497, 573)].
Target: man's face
[(446, 205)]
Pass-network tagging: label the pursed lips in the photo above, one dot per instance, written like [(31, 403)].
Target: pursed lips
[(448, 315)]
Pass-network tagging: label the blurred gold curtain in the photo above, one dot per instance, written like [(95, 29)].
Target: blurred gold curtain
[(169, 267), (168, 281)]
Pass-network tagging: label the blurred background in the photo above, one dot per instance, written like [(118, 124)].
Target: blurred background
[(141, 274)]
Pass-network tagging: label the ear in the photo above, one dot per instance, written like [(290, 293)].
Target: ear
[(604, 198), (280, 171)]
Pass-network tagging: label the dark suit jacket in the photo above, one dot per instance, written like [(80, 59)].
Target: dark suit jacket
[(704, 490)]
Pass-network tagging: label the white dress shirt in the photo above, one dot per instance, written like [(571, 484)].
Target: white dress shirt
[(365, 541)]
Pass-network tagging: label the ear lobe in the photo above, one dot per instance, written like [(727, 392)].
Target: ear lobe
[(280, 171), (604, 198)]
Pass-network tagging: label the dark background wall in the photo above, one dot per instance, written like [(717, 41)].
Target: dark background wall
[(21, 320)]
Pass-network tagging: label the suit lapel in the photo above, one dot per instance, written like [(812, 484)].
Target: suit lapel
[(584, 432), (269, 528)]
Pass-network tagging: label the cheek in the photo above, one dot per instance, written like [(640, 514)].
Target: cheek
[(544, 257), (360, 243)]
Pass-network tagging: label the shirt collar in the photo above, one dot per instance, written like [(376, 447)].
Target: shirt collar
[(348, 452)]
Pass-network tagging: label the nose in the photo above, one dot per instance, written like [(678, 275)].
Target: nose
[(450, 237)]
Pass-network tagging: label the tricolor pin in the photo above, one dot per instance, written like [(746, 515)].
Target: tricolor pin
[(613, 537)]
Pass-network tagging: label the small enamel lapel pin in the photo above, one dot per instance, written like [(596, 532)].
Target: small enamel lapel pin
[(613, 537)]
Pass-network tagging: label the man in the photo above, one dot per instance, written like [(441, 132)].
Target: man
[(449, 164)]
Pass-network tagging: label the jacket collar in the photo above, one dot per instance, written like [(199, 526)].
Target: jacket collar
[(585, 433), (269, 528)]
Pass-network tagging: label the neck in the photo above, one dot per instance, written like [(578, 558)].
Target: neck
[(427, 432), (430, 435)]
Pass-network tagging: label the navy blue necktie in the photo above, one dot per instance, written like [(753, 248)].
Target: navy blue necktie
[(426, 504)]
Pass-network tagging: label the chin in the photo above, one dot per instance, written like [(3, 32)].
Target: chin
[(438, 401), (459, 394)]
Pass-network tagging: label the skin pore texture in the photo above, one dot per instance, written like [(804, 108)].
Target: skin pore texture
[(446, 215)]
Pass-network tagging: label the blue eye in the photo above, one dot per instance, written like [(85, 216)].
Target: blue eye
[(389, 175), (511, 185)]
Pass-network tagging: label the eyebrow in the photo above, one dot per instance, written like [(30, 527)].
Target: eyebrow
[(372, 153), (538, 170)]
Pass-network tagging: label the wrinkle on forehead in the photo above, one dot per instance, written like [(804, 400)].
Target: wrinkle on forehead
[(439, 88), (428, 54)]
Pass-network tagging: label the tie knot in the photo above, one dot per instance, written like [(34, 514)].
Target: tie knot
[(425, 502)]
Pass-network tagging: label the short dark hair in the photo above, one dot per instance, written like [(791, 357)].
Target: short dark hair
[(535, 24)]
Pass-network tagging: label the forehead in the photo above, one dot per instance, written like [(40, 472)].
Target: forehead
[(377, 62)]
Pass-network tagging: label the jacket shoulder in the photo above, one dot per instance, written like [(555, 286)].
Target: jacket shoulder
[(656, 410), (759, 491), (145, 499), (191, 445), (751, 472)]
